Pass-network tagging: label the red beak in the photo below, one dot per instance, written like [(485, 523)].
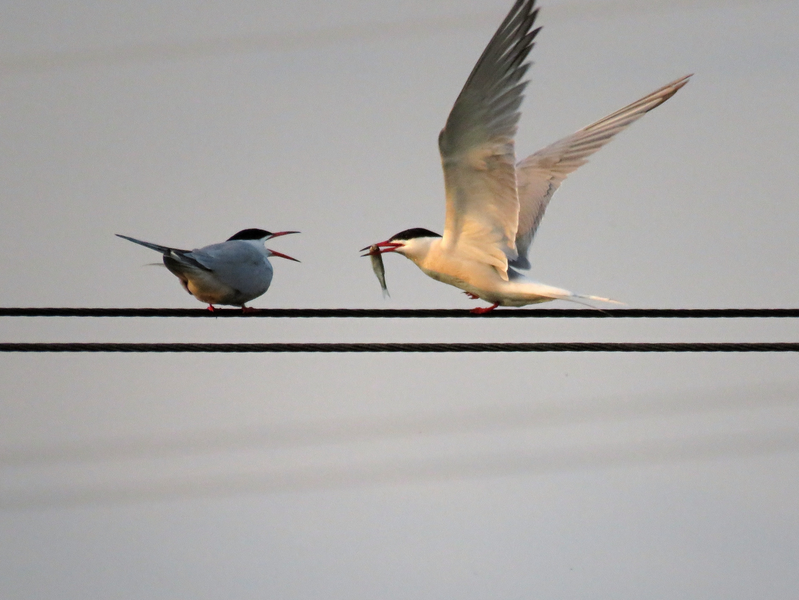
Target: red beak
[(383, 247), (280, 254)]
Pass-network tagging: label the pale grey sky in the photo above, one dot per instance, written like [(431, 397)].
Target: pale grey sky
[(393, 476)]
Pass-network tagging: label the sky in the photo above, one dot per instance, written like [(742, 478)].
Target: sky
[(394, 476)]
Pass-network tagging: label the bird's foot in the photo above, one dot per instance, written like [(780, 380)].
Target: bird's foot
[(211, 308), (481, 310), (247, 309), (472, 296)]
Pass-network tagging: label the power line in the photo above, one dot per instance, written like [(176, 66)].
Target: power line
[(659, 347), (634, 313), (424, 313)]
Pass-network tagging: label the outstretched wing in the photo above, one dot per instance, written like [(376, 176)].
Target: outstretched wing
[(477, 150), (540, 174)]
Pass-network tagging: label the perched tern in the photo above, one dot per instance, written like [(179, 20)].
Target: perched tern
[(493, 204), (232, 272)]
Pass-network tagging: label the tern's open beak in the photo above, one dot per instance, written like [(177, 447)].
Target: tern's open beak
[(279, 233), (280, 254), (382, 248)]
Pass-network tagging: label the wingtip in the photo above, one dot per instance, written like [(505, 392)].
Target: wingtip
[(664, 93), (679, 83)]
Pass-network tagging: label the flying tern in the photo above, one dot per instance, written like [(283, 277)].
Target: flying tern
[(232, 272), (494, 204)]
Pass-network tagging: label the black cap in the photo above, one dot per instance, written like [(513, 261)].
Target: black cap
[(416, 232), (250, 234)]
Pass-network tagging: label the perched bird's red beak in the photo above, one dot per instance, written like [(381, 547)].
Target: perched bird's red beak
[(281, 255)]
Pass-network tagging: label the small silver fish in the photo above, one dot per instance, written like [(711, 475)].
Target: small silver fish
[(378, 268)]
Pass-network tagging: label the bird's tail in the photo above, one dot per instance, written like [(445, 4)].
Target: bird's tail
[(599, 299), (156, 247), (580, 299)]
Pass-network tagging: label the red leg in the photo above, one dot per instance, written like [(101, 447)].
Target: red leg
[(472, 296), (247, 309), (481, 310), (211, 308)]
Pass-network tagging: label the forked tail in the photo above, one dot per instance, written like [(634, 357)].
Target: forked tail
[(574, 298), (156, 247), (600, 299)]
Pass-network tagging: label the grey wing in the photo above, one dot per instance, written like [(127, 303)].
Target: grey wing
[(477, 148), (236, 264), (539, 175)]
